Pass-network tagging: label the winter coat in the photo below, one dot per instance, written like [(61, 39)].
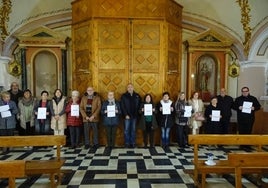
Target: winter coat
[(110, 121), (179, 112), (165, 120), (9, 122), (130, 105), (73, 120), (96, 107), (58, 109), (22, 112), (142, 118), (48, 116), (196, 124)]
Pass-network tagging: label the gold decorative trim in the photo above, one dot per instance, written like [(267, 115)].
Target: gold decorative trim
[(245, 20), (5, 10), (234, 70), (14, 68)]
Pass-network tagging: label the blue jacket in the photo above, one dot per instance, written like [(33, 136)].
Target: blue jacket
[(110, 121), (9, 122)]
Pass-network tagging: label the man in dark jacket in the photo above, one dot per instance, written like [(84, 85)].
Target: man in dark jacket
[(246, 111), (225, 103), (15, 95), (130, 104)]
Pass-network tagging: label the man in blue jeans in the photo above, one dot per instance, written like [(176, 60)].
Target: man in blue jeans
[(130, 104)]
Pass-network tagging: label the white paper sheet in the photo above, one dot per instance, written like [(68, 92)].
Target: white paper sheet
[(215, 116), (74, 110), (148, 109), (247, 107), (166, 108), (4, 108), (188, 111), (5, 114), (41, 113), (111, 111)]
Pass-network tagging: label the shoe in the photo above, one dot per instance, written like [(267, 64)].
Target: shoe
[(126, 145), (96, 146), (87, 146)]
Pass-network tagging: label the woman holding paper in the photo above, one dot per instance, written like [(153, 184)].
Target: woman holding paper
[(183, 112), (110, 111), (58, 119), (148, 121), (213, 116), (165, 118), (26, 112), (8, 111), (74, 119), (43, 114), (198, 109)]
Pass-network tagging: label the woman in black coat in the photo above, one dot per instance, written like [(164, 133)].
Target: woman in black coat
[(213, 125)]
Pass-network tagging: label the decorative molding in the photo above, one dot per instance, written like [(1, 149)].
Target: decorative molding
[(245, 20), (5, 10), (34, 17)]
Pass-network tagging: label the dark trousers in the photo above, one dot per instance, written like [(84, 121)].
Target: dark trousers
[(111, 133), (29, 130), (245, 125), (182, 135), (75, 135), (225, 124), (148, 133)]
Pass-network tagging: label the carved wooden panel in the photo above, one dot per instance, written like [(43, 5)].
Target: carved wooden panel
[(172, 85), (112, 81), (147, 83), (158, 9), (127, 41)]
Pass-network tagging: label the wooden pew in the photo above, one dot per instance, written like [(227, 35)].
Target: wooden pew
[(11, 170), (222, 166), (36, 167), (244, 162)]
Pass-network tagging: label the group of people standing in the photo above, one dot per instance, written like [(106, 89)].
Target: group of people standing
[(84, 113)]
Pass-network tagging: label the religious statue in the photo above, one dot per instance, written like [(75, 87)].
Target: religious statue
[(204, 76)]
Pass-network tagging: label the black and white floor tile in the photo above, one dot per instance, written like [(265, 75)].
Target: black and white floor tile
[(124, 168)]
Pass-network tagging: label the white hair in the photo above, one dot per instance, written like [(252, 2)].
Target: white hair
[(75, 93)]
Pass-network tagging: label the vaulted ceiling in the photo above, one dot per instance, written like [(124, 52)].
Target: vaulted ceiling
[(198, 16)]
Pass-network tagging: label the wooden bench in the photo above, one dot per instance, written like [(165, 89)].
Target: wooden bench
[(244, 162), (221, 166), (35, 167), (11, 170)]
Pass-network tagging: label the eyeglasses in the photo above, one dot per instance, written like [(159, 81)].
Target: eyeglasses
[(245, 91)]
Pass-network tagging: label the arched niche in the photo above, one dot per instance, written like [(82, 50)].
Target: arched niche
[(45, 72), (211, 50), (43, 57), (207, 76)]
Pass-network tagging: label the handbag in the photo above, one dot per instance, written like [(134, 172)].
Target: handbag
[(199, 117)]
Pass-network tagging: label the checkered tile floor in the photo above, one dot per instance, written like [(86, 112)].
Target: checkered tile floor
[(122, 168)]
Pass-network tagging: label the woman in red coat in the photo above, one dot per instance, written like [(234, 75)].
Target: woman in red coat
[(74, 119)]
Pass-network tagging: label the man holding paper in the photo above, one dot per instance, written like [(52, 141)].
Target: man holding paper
[(110, 111), (246, 105)]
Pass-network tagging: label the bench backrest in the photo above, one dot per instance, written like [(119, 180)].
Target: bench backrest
[(230, 139), (259, 159), (14, 168), (44, 140)]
